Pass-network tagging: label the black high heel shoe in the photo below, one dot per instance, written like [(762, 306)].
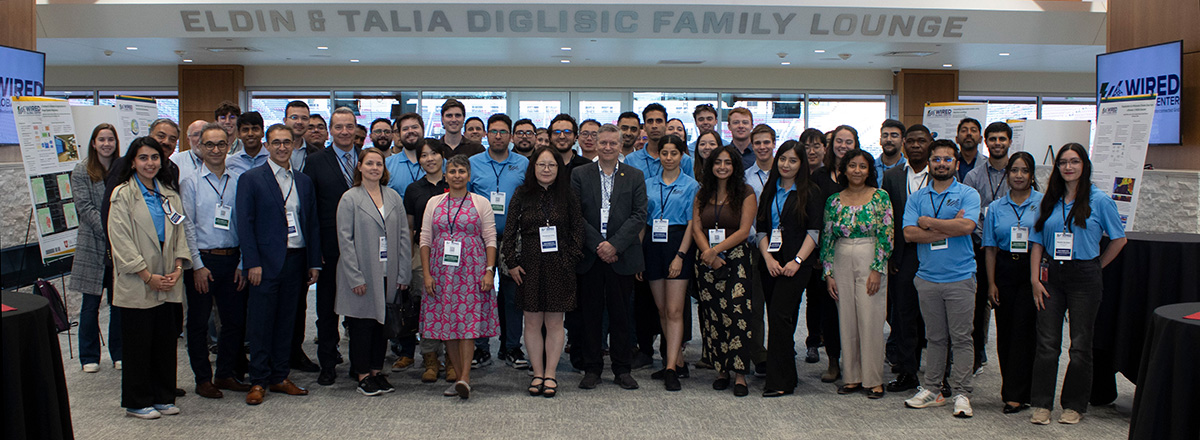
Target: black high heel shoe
[(547, 390), (538, 389)]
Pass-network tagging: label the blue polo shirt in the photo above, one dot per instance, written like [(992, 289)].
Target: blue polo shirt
[(957, 262), (1003, 214), (487, 175), (757, 178), (1104, 219), (880, 168), (403, 172), (652, 167), (672, 202)]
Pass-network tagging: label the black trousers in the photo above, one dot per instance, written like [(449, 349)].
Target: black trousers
[(782, 295), (148, 355), (645, 317), (1016, 326), (821, 316), (603, 288), (983, 309), (327, 320), (231, 306), (367, 345), (907, 325), (271, 311)]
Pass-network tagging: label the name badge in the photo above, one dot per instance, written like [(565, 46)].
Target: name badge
[(451, 252), (292, 230), (983, 212), (776, 240), (498, 202), (1064, 245), (658, 232), (549, 238), (604, 222), (939, 245), (223, 218), (715, 237), (382, 248), (172, 216), (1018, 240)]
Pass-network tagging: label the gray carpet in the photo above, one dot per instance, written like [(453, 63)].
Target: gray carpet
[(501, 408)]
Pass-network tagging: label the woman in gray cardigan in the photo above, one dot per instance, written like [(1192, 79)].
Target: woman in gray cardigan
[(89, 273), (374, 267)]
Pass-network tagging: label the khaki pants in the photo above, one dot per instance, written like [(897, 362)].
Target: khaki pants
[(861, 316)]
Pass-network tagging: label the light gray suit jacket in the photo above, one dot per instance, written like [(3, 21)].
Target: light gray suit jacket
[(359, 228)]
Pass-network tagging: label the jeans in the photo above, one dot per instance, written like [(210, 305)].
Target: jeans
[(89, 326), (1075, 287)]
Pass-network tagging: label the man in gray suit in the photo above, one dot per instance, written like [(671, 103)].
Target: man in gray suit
[(613, 203)]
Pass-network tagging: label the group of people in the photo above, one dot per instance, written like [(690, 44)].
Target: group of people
[(614, 229)]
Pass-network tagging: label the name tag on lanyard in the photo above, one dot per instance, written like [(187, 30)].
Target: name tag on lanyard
[(383, 248), (776, 241), (1064, 245), (292, 230), (451, 253), (549, 238), (715, 237), (497, 199), (604, 222), (658, 231), (942, 244), (1018, 240), (223, 217), (172, 216)]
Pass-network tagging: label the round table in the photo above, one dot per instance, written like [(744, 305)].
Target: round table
[(32, 384), (1167, 402)]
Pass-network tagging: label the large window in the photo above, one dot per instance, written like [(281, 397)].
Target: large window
[(168, 102), (1003, 108), (865, 113), (679, 105), (271, 105), (784, 113), (373, 105), (481, 104)]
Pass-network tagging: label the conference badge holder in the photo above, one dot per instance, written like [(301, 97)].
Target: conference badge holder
[(1018, 240), (223, 217), (776, 241), (292, 230), (497, 200), (549, 238), (1064, 246), (658, 233), (939, 245), (451, 253)]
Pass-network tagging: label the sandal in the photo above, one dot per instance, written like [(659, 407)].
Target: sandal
[(536, 389), (547, 390), (847, 389)]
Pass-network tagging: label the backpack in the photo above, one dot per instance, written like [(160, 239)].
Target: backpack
[(58, 308)]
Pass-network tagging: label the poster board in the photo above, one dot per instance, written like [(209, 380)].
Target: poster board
[(942, 118), (1043, 137), (1119, 152), (134, 116), (49, 150)]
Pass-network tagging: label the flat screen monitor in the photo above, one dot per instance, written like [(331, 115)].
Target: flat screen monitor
[(22, 73), (1146, 70)]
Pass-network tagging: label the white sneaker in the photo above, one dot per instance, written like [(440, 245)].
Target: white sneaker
[(147, 413), (117, 365), (91, 368), (452, 391), (1070, 417), (167, 409), (962, 406), (925, 399)]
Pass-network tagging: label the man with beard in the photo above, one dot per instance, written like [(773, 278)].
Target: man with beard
[(939, 219), (524, 137), (296, 116), (741, 123), (968, 139), (562, 137), (190, 161), (705, 117), (891, 135), (631, 129), (991, 182), (318, 132), (588, 129), (654, 121), (904, 342), (360, 135), (453, 115), (381, 135)]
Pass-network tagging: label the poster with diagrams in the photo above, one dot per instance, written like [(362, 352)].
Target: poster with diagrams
[(1119, 150), (46, 129), (942, 118)]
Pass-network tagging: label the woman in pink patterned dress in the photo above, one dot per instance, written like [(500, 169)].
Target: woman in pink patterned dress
[(458, 249)]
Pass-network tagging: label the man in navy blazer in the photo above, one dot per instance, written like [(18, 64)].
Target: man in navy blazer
[(277, 231)]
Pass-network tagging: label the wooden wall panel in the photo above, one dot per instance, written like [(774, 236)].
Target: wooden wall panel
[(20, 24), (915, 87), (202, 88)]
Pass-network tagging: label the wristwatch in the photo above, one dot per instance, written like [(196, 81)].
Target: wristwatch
[(799, 260), (680, 254), (490, 268)]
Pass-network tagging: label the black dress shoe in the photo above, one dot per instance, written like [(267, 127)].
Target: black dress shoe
[(1015, 409), (740, 390), (774, 393), (721, 384), (812, 355), (327, 378), (849, 389), (658, 375), (626, 381), (671, 381), (305, 364), (903, 382), (590, 380), (179, 392)]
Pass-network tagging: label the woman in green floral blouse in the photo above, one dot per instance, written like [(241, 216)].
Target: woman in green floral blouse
[(855, 247)]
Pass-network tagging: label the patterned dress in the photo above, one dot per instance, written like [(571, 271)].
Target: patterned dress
[(549, 281), (457, 309), (725, 299)]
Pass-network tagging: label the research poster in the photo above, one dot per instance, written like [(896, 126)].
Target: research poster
[(134, 115), (1119, 151), (942, 117), (46, 131)]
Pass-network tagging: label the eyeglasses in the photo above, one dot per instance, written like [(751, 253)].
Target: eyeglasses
[(588, 134), (210, 145), (1072, 162), (281, 142), (566, 131), (524, 132), (942, 159), (547, 165), (497, 131), (298, 118)]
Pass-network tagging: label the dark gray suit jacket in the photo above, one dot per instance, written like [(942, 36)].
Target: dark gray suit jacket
[(896, 185), (626, 216)]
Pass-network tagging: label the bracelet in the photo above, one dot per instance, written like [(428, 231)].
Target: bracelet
[(178, 267), (147, 280)]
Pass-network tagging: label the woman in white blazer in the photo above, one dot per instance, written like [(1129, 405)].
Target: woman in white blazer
[(375, 262)]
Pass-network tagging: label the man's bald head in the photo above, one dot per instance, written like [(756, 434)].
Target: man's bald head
[(193, 133)]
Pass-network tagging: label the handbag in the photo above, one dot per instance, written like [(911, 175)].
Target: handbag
[(403, 315)]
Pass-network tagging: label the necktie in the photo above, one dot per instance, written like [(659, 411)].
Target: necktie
[(346, 167)]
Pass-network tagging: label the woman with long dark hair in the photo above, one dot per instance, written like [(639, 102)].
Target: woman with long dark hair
[(89, 273), (722, 215), (1006, 262), (1067, 278), (707, 142), (789, 221), (150, 252), (544, 214)]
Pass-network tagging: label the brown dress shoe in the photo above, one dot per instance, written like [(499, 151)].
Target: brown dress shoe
[(231, 384), (289, 388), (255, 396), (207, 389)]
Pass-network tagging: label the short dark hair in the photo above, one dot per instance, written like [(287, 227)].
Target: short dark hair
[(566, 117), (250, 118), (412, 115), (654, 106), (626, 115), (998, 126), (892, 123), (276, 127), (763, 128), (524, 121), (452, 103), (968, 121), (498, 117), (703, 108), (296, 103), (227, 108), (916, 128), (476, 118), (317, 116), (378, 120), (590, 121), (943, 143)]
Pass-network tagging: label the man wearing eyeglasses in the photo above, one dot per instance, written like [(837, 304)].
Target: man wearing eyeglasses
[(190, 161), (454, 114), (296, 116), (563, 129), (381, 135), (588, 129), (524, 137), (496, 174), (209, 195), (250, 132), (318, 132)]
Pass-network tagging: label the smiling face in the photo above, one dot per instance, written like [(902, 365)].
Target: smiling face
[(788, 164), (675, 127), (814, 153), (146, 162), (297, 118), (857, 171), (193, 133), (381, 135), (889, 140), (562, 136), (1020, 175), (705, 121), (843, 141), (630, 130), (942, 164), (342, 125), (279, 146), (457, 176), (317, 132), (547, 168), (228, 122), (452, 120), (251, 136), (106, 143), (371, 166), (998, 143), (705, 145), (740, 126), (609, 146), (524, 137), (166, 135), (587, 137), (474, 131), (1070, 165), (430, 159), (213, 148), (542, 139), (410, 132), (722, 166), (764, 146)]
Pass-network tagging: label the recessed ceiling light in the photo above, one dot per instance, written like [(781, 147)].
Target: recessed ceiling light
[(565, 61), (322, 47), (353, 61), (187, 61), (786, 63), (1004, 54), (564, 48), (819, 51), (130, 48), (947, 65)]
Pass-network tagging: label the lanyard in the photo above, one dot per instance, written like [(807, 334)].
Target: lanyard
[(221, 193), (778, 211), (547, 206), (457, 212), (291, 184), (1066, 214), (717, 217), (498, 174), (997, 186), (761, 182), (1016, 212), (417, 174), (937, 209), (662, 201), (908, 182)]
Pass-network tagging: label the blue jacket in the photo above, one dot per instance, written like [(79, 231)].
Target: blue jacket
[(262, 222)]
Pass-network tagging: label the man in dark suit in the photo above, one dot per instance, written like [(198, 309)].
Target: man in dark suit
[(613, 204), (904, 343), (331, 171), (277, 232)]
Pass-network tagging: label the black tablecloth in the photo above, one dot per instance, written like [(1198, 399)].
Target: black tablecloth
[(1167, 403), (32, 383)]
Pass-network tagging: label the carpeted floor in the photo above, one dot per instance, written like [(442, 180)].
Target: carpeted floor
[(501, 408)]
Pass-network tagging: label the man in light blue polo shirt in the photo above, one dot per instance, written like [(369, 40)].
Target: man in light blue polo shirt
[(891, 138), (495, 175), (940, 218), (646, 159), (403, 166)]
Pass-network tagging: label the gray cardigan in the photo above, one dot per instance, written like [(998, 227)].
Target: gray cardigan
[(359, 228), (91, 244)]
